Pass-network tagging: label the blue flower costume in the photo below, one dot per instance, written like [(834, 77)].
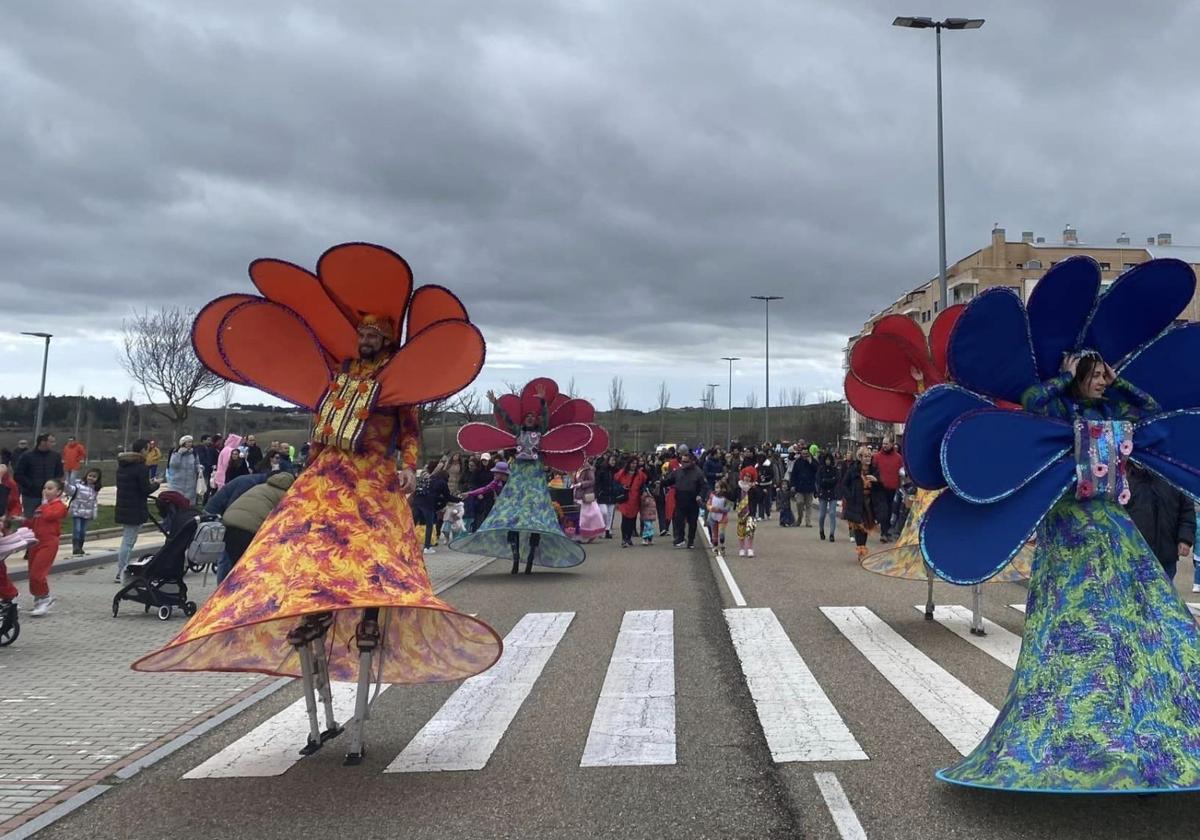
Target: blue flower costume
[(1106, 693)]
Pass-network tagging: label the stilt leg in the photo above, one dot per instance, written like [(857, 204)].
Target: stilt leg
[(367, 639), (929, 593), (308, 639), (321, 662), (977, 611), (310, 700)]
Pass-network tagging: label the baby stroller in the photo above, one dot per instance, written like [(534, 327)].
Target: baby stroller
[(10, 627), (157, 579)]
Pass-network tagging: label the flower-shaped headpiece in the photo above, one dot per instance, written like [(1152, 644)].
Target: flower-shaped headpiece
[(880, 384), (292, 341), (572, 436), (1006, 469)]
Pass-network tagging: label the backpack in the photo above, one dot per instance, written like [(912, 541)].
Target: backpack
[(208, 544)]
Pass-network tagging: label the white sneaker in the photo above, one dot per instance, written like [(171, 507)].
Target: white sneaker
[(41, 606), (749, 552), (430, 550), (1196, 587), (741, 552)]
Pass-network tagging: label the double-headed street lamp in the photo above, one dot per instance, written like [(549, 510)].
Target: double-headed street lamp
[(937, 26), (37, 423), (729, 411), (766, 299)]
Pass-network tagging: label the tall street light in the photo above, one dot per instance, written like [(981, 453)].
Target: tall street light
[(729, 411), (712, 404), (937, 26), (37, 424), (766, 299)]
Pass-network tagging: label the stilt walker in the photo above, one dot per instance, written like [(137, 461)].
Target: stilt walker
[(1105, 696), (334, 586), (889, 369)]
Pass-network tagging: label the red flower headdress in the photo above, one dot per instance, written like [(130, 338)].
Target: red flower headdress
[(880, 384), (572, 436), (293, 340)]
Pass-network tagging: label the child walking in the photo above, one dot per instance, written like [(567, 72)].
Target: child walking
[(47, 528), (785, 493), (750, 498), (649, 515), (718, 516), (83, 508)]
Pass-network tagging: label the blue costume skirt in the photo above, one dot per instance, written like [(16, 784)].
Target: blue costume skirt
[(1106, 694), (524, 507)]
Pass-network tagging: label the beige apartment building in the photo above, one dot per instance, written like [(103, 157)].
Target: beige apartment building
[(1019, 265)]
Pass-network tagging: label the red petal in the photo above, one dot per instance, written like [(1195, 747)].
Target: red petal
[(204, 334), (599, 442), (270, 348), (482, 437), (509, 404), (440, 361), (431, 304), (529, 398), (565, 461), (939, 338), (557, 402), (364, 278), (885, 361), (572, 411), (568, 438), (301, 291), (878, 403), (903, 328)]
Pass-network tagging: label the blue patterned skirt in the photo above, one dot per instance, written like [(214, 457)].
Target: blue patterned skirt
[(524, 507), (1106, 693)]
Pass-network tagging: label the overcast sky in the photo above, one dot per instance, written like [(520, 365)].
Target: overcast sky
[(603, 182)]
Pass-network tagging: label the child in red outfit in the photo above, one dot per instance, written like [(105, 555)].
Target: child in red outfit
[(47, 527)]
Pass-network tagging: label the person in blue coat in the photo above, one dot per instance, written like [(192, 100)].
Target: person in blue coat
[(804, 482)]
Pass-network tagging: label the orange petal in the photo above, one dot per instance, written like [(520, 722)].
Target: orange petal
[(301, 291), (440, 361), (204, 334), (271, 349), (364, 278), (431, 304)]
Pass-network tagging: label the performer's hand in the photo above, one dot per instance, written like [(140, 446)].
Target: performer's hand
[(541, 392), (1110, 376), (916, 374), (1070, 363), (1185, 550), (491, 395), (408, 481)]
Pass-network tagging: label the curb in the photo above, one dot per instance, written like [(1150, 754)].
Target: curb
[(69, 564)]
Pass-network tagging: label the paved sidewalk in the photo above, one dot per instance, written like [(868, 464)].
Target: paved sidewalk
[(72, 708), (96, 552)]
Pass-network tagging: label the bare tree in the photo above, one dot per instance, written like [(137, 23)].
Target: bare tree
[(469, 405), (616, 404), (797, 397), (664, 400), (570, 392), (751, 400), (511, 387), (159, 357)]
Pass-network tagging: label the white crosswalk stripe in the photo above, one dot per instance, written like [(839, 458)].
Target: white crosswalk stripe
[(961, 715), (1018, 607), (797, 718), (1194, 608), (634, 723), (466, 730), (999, 644)]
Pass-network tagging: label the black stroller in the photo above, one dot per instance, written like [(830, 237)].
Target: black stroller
[(157, 579)]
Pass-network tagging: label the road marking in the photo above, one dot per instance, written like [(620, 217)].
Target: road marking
[(999, 644), (1018, 607), (961, 715), (634, 721), (468, 727), (734, 590), (839, 806), (273, 747), (797, 718), (1194, 608)]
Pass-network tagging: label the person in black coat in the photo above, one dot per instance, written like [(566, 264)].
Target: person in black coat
[(433, 491), (857, 509), (134, 486), (33, 469), (804, 482), (1165, 517), (828, 478), (606, 490)]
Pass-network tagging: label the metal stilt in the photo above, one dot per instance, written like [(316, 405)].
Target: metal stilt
[(308, 638), (310, 700), (977, 611), (929, 593), (367, 638), (324, 687)]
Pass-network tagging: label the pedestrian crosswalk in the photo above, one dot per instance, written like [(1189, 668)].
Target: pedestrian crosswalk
[(634, 720)]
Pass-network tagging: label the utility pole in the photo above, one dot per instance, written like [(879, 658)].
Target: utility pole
[(78, 411)]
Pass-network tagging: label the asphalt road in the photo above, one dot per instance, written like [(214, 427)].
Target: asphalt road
[(724, 783)]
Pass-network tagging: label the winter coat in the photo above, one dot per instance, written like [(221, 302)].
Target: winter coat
[(804, 476), (605, 485), (854, 495), (231, 443), (633, 483), (713, 471), (206, 456), (251, 509), (10, 500), (183, 469), (1165, 516), (153, 456), (34, 469), (254, 456), (236, 469), (454, 477), (827, 479), (689, 483), (649, 508), (133, 488), (585, 482), (888, 464), (479, 478), (74, 454), (82, 501), (47, 527)]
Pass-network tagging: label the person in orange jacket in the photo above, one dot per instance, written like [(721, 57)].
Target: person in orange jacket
[(74, 455), (153, 455), (47, 527)]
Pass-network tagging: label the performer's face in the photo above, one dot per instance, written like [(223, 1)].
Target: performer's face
[(531, 419), (370, 343)]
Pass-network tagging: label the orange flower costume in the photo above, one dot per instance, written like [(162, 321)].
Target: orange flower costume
[(338, 561)]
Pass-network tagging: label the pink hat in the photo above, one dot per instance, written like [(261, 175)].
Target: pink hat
[(500, 467)]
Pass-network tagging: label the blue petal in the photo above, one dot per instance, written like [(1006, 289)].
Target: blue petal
[(966, 543), (991, 453), (927, 423), (990, 348), (1174, 436), (1139, 305), (1163, 368), (1058, 310)]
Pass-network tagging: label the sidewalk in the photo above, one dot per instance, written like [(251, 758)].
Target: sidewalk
[(75, 712), (96, 552)]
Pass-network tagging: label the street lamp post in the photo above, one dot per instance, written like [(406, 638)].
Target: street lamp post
[(729, 411), (766, 299), (712, 403), (37, 423), (937, 26)]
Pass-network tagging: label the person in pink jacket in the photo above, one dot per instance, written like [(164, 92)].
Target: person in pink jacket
[(231, 443)]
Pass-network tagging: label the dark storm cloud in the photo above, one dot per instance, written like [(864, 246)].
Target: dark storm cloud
[(628, 171)]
